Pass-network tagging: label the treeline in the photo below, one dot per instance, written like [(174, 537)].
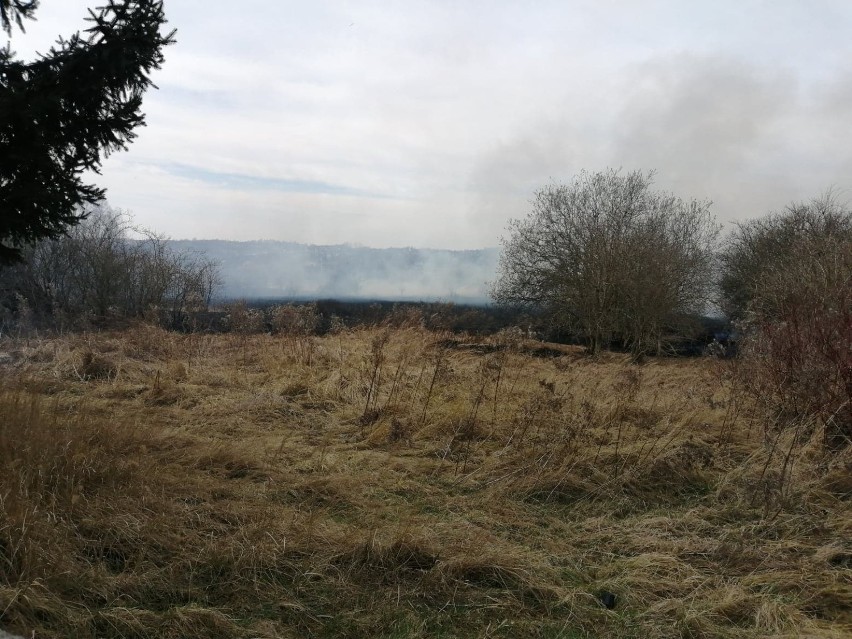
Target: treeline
[(438, 316), (329, 315), (102, 270)]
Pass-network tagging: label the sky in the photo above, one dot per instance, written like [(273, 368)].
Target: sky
[(431, 124)]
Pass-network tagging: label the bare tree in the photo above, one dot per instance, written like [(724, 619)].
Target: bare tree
[(99, 269), (610, 258), (191, 285)]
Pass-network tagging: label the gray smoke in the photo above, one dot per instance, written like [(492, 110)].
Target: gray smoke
[(269, 269)]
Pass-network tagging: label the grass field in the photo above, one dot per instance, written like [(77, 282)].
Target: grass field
[(401, 483)]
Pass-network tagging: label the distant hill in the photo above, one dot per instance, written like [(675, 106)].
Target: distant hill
[(270, 269)]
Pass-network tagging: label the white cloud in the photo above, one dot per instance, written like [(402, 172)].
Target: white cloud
[(442, 117)]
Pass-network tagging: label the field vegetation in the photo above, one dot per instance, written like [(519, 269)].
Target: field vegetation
[(392, 481), (287, 474)]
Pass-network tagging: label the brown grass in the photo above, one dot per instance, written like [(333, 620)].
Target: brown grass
[(399, 483)]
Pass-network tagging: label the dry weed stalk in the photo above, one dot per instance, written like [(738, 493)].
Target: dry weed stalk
[(373, 373)]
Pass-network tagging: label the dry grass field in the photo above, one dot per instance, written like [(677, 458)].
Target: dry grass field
[(400, 483)]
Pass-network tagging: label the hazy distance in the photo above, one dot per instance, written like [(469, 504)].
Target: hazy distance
[(285, 270)]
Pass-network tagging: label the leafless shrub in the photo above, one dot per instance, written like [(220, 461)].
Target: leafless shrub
[(405, 316), (243, 319), (295, 320), (336, 325), (797, 353), (510, 337), (610, 259)]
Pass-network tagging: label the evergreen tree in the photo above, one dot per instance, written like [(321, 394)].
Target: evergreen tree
[(62, 113), (15, 11)]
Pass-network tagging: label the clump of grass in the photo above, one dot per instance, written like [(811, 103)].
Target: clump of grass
[(402, 558), (58, 466)]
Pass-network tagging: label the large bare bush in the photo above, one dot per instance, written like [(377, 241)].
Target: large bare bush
[(295, 320), (610, 258), (788, 279), (772, 244)]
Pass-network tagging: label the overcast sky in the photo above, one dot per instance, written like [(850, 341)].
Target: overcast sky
[(430, 124)]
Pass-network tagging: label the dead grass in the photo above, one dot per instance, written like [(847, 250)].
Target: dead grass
[(401, 483)]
